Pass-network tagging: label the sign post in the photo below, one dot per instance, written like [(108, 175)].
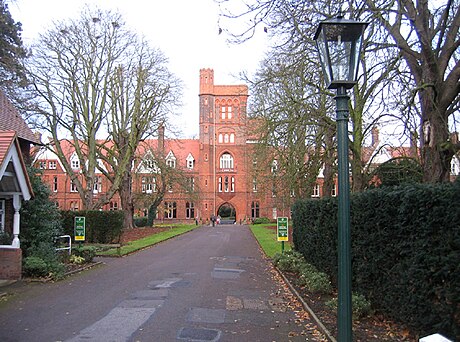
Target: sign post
[(282, 229), (80, 228)]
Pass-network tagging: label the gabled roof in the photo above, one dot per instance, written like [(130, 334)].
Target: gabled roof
[(13, 173), (11, 120)]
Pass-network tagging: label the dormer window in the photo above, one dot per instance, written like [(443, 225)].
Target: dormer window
[(171, 160), (190, 161), (75, 164)]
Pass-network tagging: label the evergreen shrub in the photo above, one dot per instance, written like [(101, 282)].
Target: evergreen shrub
[(141, 221), (361, 307), (101, 226), (261, 220), (405, 250)]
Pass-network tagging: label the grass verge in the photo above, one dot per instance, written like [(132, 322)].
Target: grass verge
[(266, 237), (136, 245)]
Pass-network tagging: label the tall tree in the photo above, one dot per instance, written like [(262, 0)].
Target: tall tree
[(293, 24), (142, 92), (12, 51), (94, 78), (427, 36), (292, 127)]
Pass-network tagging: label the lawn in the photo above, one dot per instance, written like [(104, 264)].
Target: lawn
[(266, 236), (136, 245)]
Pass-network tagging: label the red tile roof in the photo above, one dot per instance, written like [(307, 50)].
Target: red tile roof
[(10, 119)]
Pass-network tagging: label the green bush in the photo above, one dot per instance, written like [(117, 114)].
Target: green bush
[(86, 252), (308, 275), (405, 249), (101, 226), (314, 280), (361, 306), (289, 261), (35, 267), (141, 221), (261, 220), (40, 218)]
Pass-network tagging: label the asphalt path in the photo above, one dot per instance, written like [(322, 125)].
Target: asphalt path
[(211, 284)]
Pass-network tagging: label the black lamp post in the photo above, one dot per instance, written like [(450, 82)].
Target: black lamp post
[(339, 44)]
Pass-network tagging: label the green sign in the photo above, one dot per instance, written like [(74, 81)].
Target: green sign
[(282, 229), (79, 228)]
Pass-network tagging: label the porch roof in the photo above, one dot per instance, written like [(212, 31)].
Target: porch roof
[(13, 173)]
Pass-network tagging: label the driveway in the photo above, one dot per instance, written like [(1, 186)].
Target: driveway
[(212, 284)]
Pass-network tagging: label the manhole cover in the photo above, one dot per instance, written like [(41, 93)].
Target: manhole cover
[(199, 334)]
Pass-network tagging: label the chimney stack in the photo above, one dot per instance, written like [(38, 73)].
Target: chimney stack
[(375, 136)]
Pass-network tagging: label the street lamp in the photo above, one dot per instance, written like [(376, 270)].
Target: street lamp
[(339, 44)]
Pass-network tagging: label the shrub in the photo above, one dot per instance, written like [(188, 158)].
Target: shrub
[(101, 226), (35, 267), (85, 252), (309, 276), (314, 280), (361, 307), (405, 247), (75, 259), (290, 261), (40, 219), (261, 220), (141, 221)]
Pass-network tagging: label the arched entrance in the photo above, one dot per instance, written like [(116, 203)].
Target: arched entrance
[(227, 213)]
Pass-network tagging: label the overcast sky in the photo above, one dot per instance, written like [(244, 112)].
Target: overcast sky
[(185, 30)]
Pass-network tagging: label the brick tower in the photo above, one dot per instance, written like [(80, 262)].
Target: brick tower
[(223, 150)]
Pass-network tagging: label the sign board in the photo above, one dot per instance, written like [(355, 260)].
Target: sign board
[(79, 228), (282, 229)]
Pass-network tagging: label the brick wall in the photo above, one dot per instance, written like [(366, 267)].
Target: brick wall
[(11, 265)]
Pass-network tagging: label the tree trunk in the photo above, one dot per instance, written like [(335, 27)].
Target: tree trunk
[(127, 202), (436, 151)]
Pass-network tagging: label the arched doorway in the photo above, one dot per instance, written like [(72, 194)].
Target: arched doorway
[(227, 213)]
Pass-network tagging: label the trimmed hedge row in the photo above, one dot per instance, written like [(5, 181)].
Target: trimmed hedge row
[(101, 226), (405, 250)]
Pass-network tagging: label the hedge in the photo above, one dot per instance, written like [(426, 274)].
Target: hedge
[(405, 251), (101, 226)]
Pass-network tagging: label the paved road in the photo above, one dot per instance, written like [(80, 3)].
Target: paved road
[(211, 284)]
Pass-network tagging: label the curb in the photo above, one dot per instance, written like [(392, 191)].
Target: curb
[(307, 307)]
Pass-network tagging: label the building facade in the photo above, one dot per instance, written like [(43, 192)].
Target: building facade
[(217, 170), (217, 166)]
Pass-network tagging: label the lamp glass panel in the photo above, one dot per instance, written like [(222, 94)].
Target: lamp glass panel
[(344, 41), (321, 44)]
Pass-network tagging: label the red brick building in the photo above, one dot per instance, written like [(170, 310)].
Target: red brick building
[(218, 166)]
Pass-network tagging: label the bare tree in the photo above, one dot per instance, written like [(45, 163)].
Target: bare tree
[(427, 36), (293, 24), (142, 93), (94, 78)]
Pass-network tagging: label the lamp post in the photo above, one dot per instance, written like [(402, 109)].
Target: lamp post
[(339, 44)]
